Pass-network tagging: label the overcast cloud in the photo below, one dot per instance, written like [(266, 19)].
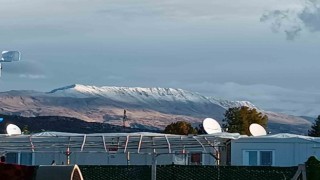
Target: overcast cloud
[(292, 21), (223, 49)]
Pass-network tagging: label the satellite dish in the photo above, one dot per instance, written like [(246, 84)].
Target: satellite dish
[(13, 129), (257, 130), (211, 126), (8, 56)]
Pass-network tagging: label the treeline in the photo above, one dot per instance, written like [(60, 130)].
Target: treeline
[(237, 120)]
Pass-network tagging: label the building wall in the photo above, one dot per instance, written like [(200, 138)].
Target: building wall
[(103, 158), (286, 152), (94, 155)]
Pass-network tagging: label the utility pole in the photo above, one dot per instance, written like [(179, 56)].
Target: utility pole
[(124, 119)]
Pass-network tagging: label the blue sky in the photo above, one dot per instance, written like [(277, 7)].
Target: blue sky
[(266, 52)]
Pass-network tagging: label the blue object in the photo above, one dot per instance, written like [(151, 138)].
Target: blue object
[(1, 119)]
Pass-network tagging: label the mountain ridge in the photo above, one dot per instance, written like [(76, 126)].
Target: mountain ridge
[(146, 107), (100, 91)]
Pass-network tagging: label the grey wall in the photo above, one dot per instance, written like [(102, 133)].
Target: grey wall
[(287, 152)]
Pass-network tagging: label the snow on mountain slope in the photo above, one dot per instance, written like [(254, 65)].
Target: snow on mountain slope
[(129, 94), (231, 104), (138, 94)]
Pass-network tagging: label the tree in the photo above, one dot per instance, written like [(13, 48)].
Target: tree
[(200, 129), (180, 127), (315, 128), (25, 130), (238, 119)]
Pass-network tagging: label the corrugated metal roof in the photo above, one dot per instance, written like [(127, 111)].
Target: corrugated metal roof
[(281, 136)]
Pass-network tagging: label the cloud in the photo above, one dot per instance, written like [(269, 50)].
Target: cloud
[(310, 15), (180, 10), (266, 97), (22, 67), (25, 69), (32, 76), (294, 21)]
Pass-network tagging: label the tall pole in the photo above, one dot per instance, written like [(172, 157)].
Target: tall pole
[(124, 119), (128, 158), (154, 166), (68, 153)]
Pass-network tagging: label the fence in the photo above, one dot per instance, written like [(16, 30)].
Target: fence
[(180, 172), (175, 172), (116, 172)]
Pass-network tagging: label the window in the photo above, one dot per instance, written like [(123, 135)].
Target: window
[(195, 158), (258, 157), (26, 158), (12, 158), (179, 157), (253, 158), (265, 158)]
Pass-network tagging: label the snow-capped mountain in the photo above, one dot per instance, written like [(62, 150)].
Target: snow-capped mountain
[(146, 107), (142, 95)]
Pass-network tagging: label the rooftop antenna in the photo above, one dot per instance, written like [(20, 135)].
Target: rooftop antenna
[(9, 56), (13, 129), (257, 130), (211, 126)]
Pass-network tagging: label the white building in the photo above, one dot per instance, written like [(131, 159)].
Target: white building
[(274, 150), (112, 148)]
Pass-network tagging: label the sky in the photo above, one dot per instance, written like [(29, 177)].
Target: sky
[(265, 52)]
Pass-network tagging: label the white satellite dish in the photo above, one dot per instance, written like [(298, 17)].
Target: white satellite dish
[(9, 56), (211, 126), (13, 129), (257, 130)]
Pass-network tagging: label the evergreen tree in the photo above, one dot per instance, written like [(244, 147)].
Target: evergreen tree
[(180, 127), (315, 128), (238, 119)]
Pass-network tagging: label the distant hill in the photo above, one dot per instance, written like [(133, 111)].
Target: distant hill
[(311, 119), (147, 108), (61, 124)]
